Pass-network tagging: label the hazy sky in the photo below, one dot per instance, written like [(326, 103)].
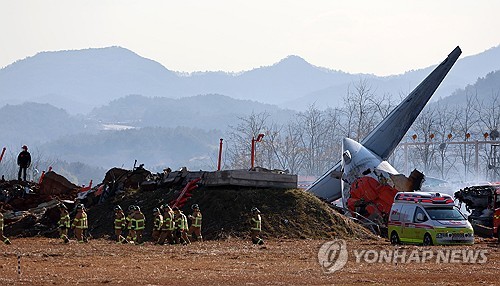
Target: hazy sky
[(381, 37)]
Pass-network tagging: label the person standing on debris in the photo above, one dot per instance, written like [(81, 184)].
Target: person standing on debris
[(168, 226), (128, 220), (256, 223), (23, 161), (119, 224), (138, 224), (157, 224), (195, 228), (180, 227), (2, 237), (80, 223), (63, 223)]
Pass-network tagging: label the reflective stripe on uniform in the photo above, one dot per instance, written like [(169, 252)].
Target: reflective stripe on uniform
[(181, 222), (81, 222), (129, 222), (257, 223), (138, 224), (158, 222), (119, 223), (197, 220), (64, 221), (168, 222)]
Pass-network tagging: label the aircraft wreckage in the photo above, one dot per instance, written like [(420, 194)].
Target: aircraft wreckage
[(363, 177)]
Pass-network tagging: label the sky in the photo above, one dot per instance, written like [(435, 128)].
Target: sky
[(381, 37)]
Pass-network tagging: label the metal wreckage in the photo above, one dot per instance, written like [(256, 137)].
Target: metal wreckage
[(31, 208)]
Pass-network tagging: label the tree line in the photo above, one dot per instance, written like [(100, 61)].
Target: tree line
[(311, 143)]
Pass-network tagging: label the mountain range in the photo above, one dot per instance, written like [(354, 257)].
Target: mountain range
[(107, 107), (81, 80)]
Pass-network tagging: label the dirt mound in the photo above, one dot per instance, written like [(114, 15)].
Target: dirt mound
[(285, 213)]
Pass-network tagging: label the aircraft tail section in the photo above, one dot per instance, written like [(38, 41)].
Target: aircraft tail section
[(385, 137)]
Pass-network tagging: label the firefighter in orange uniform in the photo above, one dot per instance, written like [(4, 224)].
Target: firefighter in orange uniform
[(256, 227), (80, 223), (64, 223), (195, 228), (168, 226), (2, 237), (181, 227), (128, 221), (138, 224), (157, 224), (119, 224)]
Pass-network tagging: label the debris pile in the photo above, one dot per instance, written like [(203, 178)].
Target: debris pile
[(287, 213), (29, 208)]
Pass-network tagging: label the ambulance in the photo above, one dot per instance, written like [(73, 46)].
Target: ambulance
[(428, 219)]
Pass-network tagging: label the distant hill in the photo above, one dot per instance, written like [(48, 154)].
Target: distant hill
[(81, 80), (157, 148), (35, 123), (485, 88), (465, 72), (210, 111)]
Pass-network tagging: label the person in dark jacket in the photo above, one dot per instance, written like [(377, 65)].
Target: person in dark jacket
[(24, 161)]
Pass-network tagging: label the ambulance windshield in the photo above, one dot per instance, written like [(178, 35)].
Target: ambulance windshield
[(444, 213)]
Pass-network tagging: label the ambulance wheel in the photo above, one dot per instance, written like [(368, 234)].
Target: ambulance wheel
[(394, 238), (427, 239)]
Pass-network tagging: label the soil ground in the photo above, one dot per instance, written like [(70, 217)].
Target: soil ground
[(47, 261)]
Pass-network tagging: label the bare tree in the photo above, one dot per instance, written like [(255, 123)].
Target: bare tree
[(424, 126), (286, 146), (313, 129), (489, 120), (360, 110), (465, 123), (240, 136), (444, 123)]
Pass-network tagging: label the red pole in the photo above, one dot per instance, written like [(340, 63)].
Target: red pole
[(220, 155), (90, 184), (41, 178), (252, 155), (3, 152)]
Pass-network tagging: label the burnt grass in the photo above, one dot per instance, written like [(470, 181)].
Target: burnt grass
[(285, 213)]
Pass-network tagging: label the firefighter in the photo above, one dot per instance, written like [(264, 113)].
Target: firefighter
[(80, 223), (157, 224), (195, 228), (138, 224), (128, 221), (2, 237), (256, 223), (64, 223), (23, 161), (119, 225), (168, 226), (180, 227)]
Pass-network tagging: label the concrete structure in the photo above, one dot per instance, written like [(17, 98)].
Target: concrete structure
[(245, 178)]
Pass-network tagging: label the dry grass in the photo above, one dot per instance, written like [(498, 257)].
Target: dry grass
[(232, 262)]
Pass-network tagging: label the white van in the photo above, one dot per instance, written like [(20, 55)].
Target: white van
[(427, 218)]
